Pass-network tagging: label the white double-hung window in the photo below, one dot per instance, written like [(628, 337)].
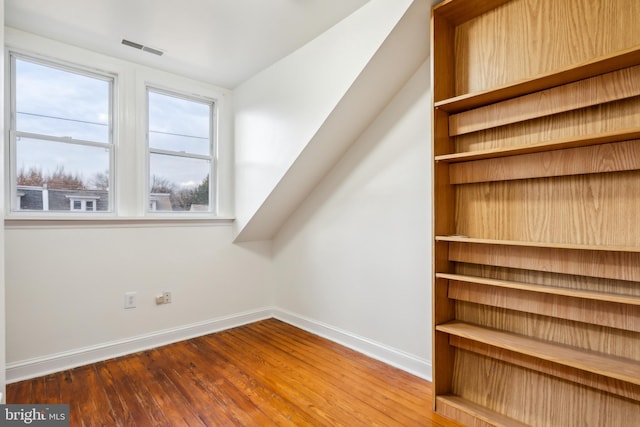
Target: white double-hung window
[(102, 141), (61, 148), (182, 161)]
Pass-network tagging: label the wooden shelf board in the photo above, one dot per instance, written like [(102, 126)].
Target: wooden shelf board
[(609, 366), (593, 262), (558, 144), (601, 65), (571, 246), (622, 156), (451, 402), (554, 305), (574, 375), (576, 95), (574, 293)]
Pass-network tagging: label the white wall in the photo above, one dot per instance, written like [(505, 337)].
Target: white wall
[(356, 256), (65, 287)]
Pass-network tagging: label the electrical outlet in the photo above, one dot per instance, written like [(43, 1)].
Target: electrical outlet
[(130, 299), (167, 297)]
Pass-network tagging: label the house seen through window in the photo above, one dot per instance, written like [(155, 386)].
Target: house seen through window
[(61, 148)]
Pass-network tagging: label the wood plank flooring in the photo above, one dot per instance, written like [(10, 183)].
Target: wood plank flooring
[(267, 373)]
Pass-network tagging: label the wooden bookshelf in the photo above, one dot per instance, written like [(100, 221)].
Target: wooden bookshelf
[(536, 250)]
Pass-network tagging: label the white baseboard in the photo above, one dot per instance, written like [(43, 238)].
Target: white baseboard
[(394, 357), (44, 365)]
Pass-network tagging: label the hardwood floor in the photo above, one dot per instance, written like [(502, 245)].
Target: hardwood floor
[(267, 373)]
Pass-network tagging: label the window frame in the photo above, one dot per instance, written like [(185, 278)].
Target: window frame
[(150, 203), (13, 134)]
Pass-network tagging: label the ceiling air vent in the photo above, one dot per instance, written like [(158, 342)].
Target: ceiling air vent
[(152, 50), (142, 47)]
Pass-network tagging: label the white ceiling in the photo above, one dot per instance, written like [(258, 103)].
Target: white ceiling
[(223, 42)]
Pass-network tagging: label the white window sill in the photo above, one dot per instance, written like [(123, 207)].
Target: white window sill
[(21, 222)]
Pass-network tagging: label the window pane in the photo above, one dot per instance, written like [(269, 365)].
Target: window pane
[(50, 101), (50, 173), (179, 125), (179, 183)]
